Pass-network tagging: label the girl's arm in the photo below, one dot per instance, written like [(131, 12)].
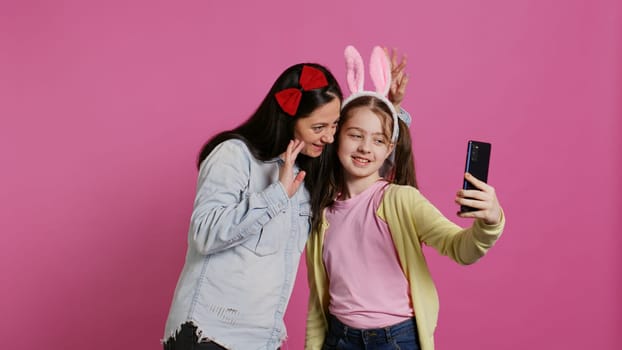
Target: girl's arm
[(420, 219)]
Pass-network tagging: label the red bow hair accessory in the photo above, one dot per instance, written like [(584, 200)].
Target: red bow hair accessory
[(310, 79)]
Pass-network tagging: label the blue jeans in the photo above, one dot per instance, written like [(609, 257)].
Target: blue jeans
[(402, 336)]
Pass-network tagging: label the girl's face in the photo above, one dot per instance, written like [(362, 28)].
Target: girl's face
[(363, 145), (318, 129)]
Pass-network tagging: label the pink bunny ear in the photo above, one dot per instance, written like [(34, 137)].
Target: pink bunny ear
[(380, 70), (355, 71)]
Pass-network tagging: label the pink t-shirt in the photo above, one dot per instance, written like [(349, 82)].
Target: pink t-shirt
[(367, 286)]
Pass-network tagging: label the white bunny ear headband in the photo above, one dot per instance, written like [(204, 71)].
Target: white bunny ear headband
[(380, 72)]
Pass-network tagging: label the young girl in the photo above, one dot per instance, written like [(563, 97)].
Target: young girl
[(251, 217), (370, 286)]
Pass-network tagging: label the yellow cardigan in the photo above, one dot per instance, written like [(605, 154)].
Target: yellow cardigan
[(412, 220)]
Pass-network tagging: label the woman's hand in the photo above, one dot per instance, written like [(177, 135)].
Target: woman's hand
[(290, 182), (399, 79), (484, 200)]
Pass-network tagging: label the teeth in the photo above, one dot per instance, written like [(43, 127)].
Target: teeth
[(362, 160)]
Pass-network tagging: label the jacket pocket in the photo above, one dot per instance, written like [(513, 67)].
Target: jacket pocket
[(262, 244), (268, 240)]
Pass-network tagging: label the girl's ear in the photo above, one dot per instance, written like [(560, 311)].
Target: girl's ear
[(390, 150), (380, 70), (355, 71)]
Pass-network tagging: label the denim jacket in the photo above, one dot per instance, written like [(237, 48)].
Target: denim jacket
[(244, 244)]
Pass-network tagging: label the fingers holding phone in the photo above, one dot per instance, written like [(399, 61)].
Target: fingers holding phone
[(482, 201), (477, 199)]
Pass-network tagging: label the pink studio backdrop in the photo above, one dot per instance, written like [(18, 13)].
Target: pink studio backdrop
[(104, 105)]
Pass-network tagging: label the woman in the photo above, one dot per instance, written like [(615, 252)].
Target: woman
[(251, 217)]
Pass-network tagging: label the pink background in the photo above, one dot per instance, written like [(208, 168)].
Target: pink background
[(104, 105)]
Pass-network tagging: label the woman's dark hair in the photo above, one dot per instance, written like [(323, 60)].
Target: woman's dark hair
[(401, 171), (269, 129)]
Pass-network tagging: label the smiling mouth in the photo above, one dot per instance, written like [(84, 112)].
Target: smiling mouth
[(359, 160)]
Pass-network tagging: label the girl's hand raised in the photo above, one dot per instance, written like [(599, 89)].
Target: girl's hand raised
[(484, 200), (290, 182)]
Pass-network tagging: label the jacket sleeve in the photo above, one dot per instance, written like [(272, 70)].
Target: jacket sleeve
[(225, 212), (316, 317), (463, 245)]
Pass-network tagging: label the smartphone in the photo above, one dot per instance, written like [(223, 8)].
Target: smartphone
[(477, 161)]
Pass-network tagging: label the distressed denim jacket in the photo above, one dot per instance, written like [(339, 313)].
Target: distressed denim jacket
[(244, 244)]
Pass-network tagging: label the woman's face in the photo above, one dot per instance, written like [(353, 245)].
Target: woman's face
[(318, 129)]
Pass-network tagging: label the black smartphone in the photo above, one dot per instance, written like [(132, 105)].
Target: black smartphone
[(477, 162)]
